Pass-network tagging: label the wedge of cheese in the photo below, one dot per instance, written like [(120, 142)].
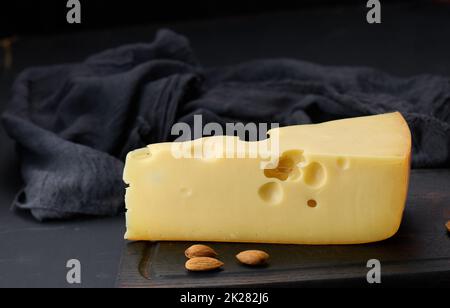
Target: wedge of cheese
[(339, 182)]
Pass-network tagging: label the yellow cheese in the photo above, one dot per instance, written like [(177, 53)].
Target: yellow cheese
[(339, 182)]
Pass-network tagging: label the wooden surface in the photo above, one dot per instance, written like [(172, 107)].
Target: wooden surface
[(419, 254)]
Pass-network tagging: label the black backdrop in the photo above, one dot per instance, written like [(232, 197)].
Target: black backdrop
[(49, 16)]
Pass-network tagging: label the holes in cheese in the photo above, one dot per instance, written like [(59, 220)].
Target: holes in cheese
[(287, 166), (185, 192), (311, 203), (339, 182), (314, 175), (271, 193), (343, 163)]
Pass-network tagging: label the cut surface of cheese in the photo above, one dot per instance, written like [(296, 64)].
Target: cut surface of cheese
[(338, 182)]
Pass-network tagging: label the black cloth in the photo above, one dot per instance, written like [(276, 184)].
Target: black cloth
[(75, 123)]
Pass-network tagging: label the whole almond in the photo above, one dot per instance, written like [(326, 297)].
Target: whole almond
[(448, 225), (201, 264), (200, 251), (253, 257)]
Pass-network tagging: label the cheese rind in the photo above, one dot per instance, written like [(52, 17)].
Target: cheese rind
[(339, 182)]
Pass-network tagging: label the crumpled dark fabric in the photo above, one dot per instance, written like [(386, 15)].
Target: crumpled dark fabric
[(75, 123)]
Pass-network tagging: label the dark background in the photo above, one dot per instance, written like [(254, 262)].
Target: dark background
[(414, 38), (36, 17)]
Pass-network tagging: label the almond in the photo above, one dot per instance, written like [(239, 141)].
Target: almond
[(200, 251), (253, 257), (448, 225), (201, 264)]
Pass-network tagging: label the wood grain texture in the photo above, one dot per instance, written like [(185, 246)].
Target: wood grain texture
[(419, 254)]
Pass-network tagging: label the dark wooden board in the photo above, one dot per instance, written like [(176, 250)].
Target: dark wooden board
[(419, 254)]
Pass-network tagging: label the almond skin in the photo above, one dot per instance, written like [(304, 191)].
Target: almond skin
[(202, 264), (200, 251), (253, 257)]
